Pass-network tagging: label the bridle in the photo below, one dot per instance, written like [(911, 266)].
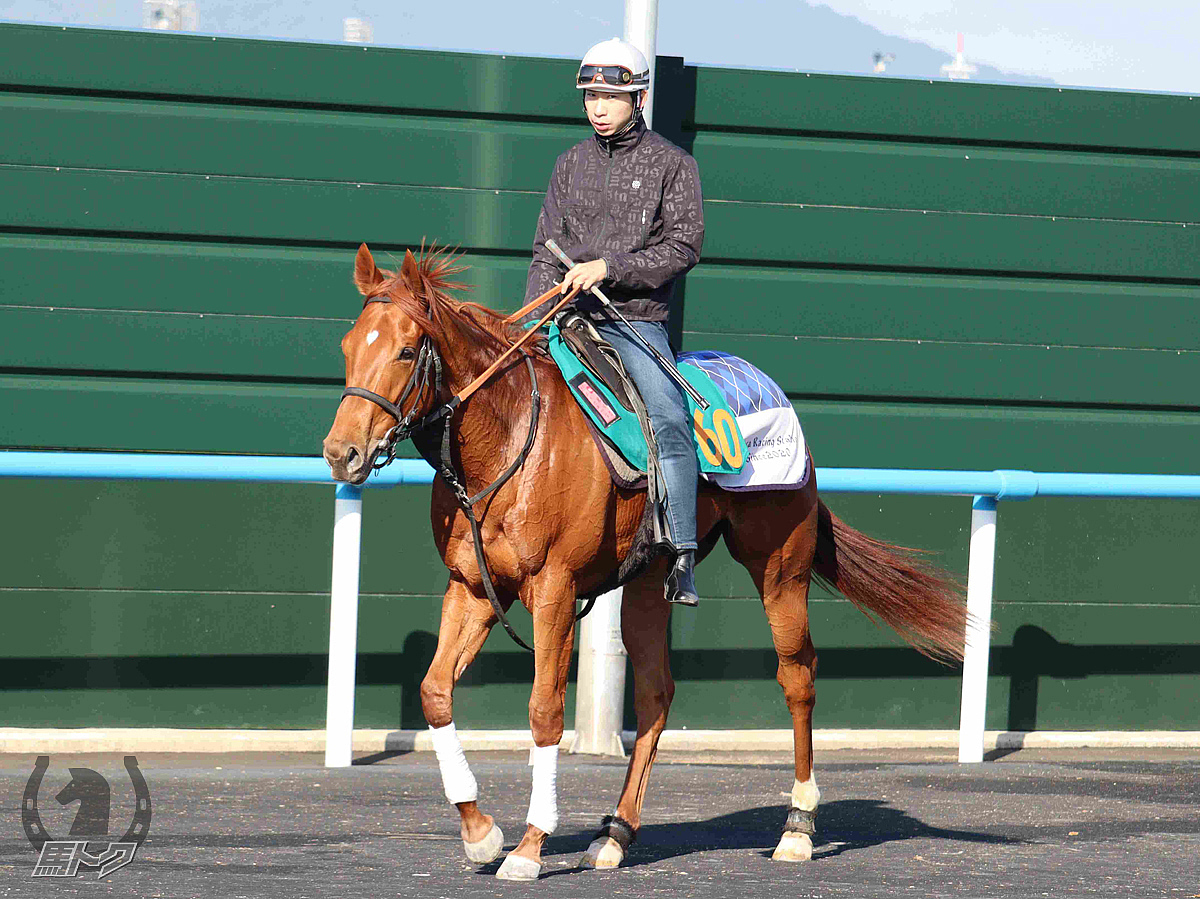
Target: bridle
[(427, 367)]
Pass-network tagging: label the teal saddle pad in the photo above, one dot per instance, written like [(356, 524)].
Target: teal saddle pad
[(718, 440)]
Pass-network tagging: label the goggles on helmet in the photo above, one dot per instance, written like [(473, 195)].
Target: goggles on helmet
[(613, 76)]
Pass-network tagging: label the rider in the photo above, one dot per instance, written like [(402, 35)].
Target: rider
[(625, 205)]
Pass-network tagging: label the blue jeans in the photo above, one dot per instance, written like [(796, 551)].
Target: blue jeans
[(668, 408)]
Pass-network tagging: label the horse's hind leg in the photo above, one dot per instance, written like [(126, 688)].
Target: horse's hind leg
[(775, 541), (644, 619), (466, 622)]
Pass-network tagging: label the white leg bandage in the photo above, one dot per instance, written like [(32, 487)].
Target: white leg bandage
[(457, 779), (543, 799), (805, 795)]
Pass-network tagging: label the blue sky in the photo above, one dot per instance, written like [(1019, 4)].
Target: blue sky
[(1150, 45)]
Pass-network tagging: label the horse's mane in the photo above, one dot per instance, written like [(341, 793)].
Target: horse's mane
[(434, 309)]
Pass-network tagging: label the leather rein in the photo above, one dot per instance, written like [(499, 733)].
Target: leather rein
[(427, 369)]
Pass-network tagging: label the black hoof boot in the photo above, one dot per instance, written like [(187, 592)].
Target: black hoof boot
[(681, 580)]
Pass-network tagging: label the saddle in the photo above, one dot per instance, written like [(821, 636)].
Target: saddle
[(600, 359)]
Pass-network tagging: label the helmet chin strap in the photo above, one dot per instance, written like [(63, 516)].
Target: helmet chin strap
[(630, 125), (639, 102)]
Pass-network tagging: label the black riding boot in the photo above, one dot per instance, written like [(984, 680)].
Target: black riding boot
[(681, 580)]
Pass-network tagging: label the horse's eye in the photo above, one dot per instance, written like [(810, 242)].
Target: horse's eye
[(407, 353)]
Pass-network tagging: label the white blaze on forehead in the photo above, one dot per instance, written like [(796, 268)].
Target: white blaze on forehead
[(372, 337)]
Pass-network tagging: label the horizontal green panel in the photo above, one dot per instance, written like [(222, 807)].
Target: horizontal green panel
[(318, 212), (174, 343), (198, 537), (188, 65), (960, 179), (179, 276), (805, 303), (115, 624), (208, 538), (922, 369), (1061, 551), (263, 209), (392, 216), (315, 283), (156, 415), (1092, 662), (1062, 667), (387, 706), (872, 434), (940, 109), (765, 232), (253, 661), (311, 145), (164, 624), (178, 416)]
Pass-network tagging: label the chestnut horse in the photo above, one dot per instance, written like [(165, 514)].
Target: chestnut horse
[(559, 528)]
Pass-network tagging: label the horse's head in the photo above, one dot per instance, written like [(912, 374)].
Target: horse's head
[(381, 353)]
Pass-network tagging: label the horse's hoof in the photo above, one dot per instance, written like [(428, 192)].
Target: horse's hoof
[(487, 849), (518, 867), (605, 852), (794, 847)]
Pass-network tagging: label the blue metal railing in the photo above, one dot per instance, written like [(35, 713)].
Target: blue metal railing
[(179, 467), (1001, 484), (1005, 484)]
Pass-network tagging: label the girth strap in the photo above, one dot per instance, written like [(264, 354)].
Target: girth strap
[(450, 474)]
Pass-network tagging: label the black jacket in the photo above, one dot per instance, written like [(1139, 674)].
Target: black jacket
[(635, 202)]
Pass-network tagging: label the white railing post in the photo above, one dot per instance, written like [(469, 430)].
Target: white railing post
[(980, 570), (343, 626), (641, 30), (600, 687)]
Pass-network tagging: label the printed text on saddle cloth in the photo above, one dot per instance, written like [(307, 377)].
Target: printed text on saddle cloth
[(775, 451)]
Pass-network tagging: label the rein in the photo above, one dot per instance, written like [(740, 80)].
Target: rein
[(429, 365)]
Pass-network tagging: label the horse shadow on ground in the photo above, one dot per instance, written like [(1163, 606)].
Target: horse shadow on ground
[(843, 826)]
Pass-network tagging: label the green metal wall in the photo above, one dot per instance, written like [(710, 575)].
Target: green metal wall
[(940, 275)]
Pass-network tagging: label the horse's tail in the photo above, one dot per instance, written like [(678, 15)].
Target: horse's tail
[(892, 583)]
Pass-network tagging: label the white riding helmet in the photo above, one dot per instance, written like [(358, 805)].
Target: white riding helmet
[(615, 66)]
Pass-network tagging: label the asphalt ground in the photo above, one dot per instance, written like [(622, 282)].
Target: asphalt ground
[(1030, 823)]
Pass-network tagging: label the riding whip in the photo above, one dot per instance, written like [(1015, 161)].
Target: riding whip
[(667, 365)]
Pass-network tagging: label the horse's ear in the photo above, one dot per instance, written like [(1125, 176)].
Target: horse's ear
[(366, 275), (410, 273)]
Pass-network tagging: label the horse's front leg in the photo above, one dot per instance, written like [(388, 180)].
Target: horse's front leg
[(466, 621), (553, 637)]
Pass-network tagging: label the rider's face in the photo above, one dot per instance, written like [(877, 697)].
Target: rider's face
[(608, 112)]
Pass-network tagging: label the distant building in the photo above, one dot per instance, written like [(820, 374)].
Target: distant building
[(170, 15), (960, 68), (881, 61), (357, 31)]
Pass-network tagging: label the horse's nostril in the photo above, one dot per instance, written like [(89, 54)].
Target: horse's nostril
[(353, 458)]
